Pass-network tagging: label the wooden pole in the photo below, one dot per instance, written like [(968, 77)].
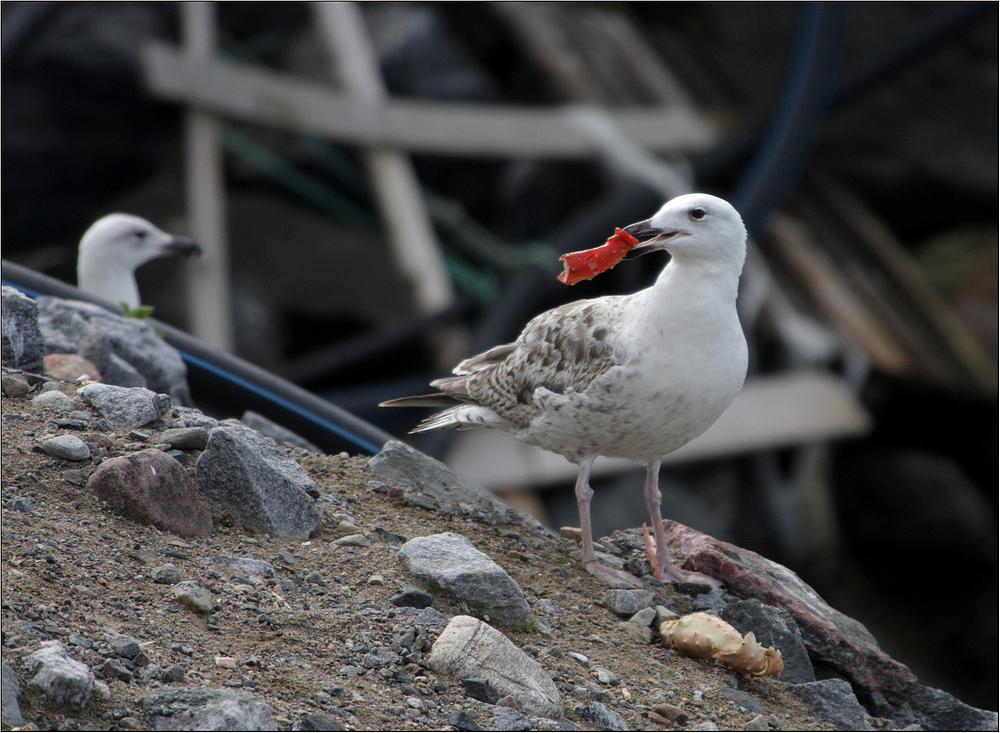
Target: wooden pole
[(208, 285), (401, 204)]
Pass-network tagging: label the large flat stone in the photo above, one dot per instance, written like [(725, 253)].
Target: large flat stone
[(470, 648), (206, 708), (449, 560)]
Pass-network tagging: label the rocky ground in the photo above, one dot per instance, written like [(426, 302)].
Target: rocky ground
[(329, 633)]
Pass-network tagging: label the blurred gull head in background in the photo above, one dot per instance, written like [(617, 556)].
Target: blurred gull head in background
[(115, 246)]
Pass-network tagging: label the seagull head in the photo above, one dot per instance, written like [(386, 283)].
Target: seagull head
[(114, 246), (132, 241), (693, 226)]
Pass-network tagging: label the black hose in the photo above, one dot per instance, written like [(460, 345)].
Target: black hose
[(791, 133), (227, 384), (927, 35)]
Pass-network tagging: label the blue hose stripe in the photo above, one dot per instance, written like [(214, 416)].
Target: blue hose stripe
[(332, 427)]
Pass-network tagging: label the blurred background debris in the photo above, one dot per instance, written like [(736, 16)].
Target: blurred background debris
[(384, 188)]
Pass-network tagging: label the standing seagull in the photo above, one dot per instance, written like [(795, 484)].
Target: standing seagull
[(114, 246), (634, 376)]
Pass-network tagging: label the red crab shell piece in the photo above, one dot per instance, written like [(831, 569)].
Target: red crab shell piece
[(588, 263)]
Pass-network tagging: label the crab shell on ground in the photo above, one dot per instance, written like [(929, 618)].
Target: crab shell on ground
[(702, 635)]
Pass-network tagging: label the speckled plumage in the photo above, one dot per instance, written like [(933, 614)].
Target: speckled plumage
[(633, 376)]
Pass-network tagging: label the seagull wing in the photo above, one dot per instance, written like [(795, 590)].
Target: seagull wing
[(562, 350)]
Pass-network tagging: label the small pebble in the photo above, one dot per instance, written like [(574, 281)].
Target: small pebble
[(167, 574), (22, 504), (186, 438), (14, 386), (353, 540), (194, 595), (73, 476), (67, 447)]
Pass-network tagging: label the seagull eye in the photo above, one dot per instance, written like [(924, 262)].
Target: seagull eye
[(698, 214), (140, 234)]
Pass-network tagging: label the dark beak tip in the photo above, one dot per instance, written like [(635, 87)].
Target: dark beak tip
[(185, 246)]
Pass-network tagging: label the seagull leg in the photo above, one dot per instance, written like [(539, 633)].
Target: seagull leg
[(663, 567), (614, 578)]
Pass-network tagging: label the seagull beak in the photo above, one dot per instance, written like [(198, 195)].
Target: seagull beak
[(184, 246), (652, 239)]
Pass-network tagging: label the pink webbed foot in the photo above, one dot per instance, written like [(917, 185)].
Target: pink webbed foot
[(614, 578), (669, 572)]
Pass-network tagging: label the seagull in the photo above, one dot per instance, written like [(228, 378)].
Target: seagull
[(114, 246), (625, 376)]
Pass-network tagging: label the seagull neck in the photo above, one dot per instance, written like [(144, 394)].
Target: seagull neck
[(693, 279), (110, 280)]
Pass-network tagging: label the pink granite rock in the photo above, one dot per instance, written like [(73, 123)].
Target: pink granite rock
[(829, 635), (150, 487)]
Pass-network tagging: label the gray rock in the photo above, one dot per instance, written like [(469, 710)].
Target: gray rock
[(707, 725), (152, 488), (381, 657), (66, 331), (628, 602), (400, 465), (600, 717), (714, 599), (125, 407), (10, 695), (449, 561), (67, 447), (174, 674), (645, 617), (120, 373), (773, 627), (124, 645), (195, 438), (194, 595), (412, 597), (479, 688), (937, 710), (261, 485), (81, 641), (317, 722), (430, 617), (205, 708), (247, 565), (167, 574), (278, 433), (63, 679), (835, 702), (470, 648), (128, 345), (606, 676), (546, 605), (462, 720), (509, 719), (21, 344), (55, 400), (126, 351), (195, 418), (742, 699), (22, 504)]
